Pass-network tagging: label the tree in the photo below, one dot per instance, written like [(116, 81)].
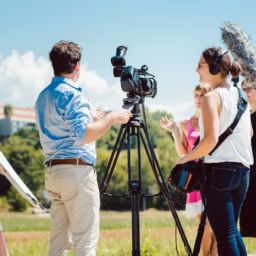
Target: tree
[(26, 160), (30, 135), (109, 139), (8, 110), (16, 201)]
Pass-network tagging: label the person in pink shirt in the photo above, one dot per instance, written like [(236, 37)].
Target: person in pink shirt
[(185, 137), (3, 247)]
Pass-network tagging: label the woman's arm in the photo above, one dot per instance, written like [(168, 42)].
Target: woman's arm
[(183, 140), (178, 134), (211, 105)]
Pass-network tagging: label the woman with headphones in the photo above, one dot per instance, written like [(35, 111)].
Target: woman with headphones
[(227, 168), (185, 135)]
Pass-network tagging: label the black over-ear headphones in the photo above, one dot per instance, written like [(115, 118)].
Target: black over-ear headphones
[(214, 68)]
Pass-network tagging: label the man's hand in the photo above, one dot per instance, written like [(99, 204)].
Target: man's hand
[(120, 116), (95, 130), (97, 114)]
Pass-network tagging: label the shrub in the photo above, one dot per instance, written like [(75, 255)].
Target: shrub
[(16, 201), (3, 203)]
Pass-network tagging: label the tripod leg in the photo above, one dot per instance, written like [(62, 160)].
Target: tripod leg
[(200, 233), (113, 159), (135, 193), (135, 206), (162, 185), (134, 184)]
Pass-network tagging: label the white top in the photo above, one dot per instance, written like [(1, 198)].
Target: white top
[(237, 146)]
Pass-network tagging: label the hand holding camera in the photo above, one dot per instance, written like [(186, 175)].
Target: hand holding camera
[(120, 116), (97, 114)]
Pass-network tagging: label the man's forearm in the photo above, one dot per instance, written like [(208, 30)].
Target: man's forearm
[(96, 129)]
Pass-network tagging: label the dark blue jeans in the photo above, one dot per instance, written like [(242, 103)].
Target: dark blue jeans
[(223, 193)]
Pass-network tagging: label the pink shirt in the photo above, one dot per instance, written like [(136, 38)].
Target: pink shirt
[(192, 135)]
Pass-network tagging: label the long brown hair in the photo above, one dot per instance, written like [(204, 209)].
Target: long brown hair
[(216, 56)]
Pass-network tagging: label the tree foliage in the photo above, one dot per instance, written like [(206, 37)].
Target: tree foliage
[(26, 158), (16, 201), (8, 110)]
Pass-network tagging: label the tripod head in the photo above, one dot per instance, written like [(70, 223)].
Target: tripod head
[(133, 104)]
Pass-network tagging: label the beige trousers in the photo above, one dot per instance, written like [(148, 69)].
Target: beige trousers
[(74, 210)]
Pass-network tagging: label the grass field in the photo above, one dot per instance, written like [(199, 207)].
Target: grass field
[(28, 234)]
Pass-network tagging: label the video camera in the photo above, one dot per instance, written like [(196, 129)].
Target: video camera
[(133, 81)]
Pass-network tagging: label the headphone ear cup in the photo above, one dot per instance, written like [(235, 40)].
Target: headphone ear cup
[(214, 69)]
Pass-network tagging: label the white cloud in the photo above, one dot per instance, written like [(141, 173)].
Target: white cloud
[(93, 82), (22, 77)]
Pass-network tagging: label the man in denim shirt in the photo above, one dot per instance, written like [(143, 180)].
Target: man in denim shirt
[(67, 135)]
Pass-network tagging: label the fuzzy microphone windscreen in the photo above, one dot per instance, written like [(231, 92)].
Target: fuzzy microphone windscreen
[(241, 48)]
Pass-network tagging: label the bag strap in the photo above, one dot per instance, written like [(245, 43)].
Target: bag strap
[(196, 142), (241, 107)]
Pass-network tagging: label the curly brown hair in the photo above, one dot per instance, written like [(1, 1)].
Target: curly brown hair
[(64, 56)]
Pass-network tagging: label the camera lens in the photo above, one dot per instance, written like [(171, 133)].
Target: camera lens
[(121, 51), (119, 59)]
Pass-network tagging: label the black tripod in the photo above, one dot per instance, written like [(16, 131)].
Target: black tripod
[(136, 127)]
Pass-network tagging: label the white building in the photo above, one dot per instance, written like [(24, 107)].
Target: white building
[(19, 117)]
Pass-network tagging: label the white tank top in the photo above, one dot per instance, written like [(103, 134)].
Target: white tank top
[(237, 146)]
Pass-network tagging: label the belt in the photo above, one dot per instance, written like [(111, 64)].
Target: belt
[(74, 161), (222, 164)]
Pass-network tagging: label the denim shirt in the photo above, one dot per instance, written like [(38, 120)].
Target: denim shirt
[(62, 115)]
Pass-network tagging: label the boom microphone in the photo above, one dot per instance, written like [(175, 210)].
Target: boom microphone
[(241, 48)]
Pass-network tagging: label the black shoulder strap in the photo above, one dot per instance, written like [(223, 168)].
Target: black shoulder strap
[(241, 107), (196, 142)]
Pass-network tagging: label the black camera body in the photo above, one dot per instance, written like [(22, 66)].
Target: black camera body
[(136, 82)]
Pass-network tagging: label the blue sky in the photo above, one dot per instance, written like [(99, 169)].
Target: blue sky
[(167, 35)]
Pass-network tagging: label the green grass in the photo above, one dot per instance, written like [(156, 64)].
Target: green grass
[(109, 220), (24, 222), (28, 234)]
